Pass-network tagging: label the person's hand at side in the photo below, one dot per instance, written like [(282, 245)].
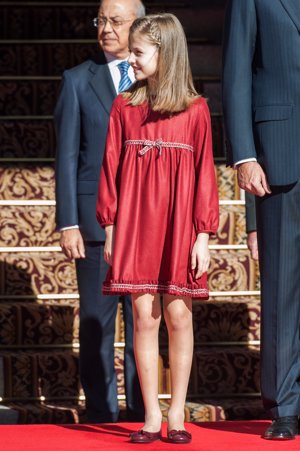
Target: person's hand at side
[(72, 244), (252, 178), (252, 244), (109, 243), (200, 257)]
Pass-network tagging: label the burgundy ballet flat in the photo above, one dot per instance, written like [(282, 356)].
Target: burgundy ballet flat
[(183, 437), (144, 436)]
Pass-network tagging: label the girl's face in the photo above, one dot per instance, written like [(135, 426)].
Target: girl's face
[(143, 56)]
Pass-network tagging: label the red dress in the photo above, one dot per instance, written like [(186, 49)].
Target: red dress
[(158, 186)]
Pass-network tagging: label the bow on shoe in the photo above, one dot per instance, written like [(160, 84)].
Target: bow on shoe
[(148, 145), (142, 436), (179, 436)]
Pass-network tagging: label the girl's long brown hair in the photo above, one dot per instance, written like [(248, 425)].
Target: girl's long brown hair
[(175, 89)]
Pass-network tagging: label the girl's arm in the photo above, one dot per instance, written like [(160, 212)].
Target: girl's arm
[(200, 257), (107, 201), (206, 202), (109, 243)]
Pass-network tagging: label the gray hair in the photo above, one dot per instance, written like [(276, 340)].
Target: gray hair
[(140, 8), (140, 11)]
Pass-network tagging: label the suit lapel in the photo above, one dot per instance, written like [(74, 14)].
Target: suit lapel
[(102, 84), (292, 7)]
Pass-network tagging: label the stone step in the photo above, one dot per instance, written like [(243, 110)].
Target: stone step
[(27, 181), (227, 183), (30, 325), (37, 97), (29, 374), (64, 412), (34, 137), (41, 412), (53, 324), (54, 375), (33, 273), (34, 225), (222, 371), (33, 182), (218, 371), (52, 58), (232, 226), (8, 415), (233, 409), (70, 21), (28, 226), (30, 273), (225, 321), (31, 138), (232, 270)]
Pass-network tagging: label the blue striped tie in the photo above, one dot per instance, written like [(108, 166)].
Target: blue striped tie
[(125, 81)]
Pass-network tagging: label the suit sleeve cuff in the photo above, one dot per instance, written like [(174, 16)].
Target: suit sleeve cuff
[(69, 228), (246, 160)]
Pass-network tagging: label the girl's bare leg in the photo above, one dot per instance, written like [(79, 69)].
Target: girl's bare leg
[(146, 317), (178, 317)]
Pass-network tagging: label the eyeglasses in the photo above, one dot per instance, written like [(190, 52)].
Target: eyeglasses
[(102, 21)]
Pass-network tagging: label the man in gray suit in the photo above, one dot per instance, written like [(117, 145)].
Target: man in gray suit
[(261, 95), (81, 119)]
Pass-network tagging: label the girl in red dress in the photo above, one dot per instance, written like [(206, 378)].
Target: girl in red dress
[(158, 203)]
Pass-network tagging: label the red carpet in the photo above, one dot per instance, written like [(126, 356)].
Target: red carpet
[(223, 436)]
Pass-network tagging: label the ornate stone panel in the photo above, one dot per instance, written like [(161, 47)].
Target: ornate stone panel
[(27, 182), (32, 273), (27, 138), (225, 371), (231, 270), (28, 226)]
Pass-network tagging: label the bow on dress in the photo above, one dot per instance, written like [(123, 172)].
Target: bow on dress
[(148, 145)]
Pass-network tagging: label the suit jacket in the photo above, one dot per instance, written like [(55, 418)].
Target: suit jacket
[(261, 85), (81, 120)]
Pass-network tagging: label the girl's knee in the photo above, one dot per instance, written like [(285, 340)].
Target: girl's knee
[(179, 319), (146, 323)]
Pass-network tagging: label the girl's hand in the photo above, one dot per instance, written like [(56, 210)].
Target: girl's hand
[(200, 257), (109, 243)]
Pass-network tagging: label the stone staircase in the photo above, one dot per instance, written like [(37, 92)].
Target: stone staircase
[(39, 303)]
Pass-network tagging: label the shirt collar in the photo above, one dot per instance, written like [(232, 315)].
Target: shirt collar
[(112, 61)]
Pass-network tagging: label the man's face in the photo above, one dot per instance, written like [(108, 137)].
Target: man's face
[(116, 17)]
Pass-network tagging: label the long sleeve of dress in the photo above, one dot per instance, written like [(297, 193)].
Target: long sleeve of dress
[(206, 201), (107, 201)]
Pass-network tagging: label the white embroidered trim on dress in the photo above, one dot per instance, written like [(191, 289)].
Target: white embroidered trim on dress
[(150, 287), (159, 144)]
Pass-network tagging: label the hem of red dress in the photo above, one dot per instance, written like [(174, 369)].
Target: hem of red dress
[(117, 287)]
